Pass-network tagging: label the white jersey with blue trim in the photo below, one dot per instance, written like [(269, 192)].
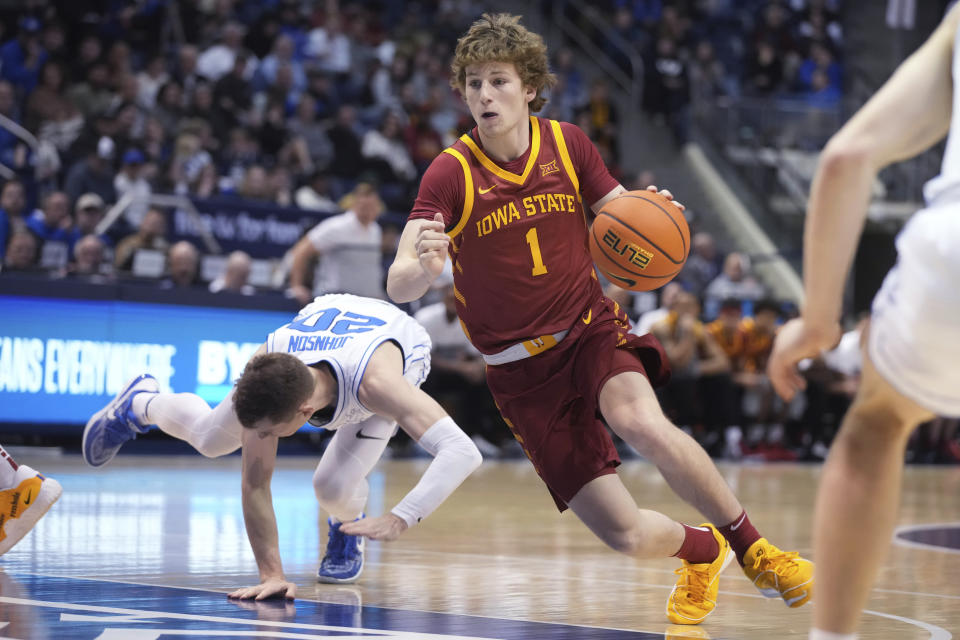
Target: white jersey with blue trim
[(945, 188), (343, 331)]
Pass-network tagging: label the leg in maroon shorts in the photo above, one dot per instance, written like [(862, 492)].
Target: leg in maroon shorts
[(628, 403)]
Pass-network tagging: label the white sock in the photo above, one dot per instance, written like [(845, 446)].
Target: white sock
[(8, 470), (212, 432), (816, 634), (139, 406)]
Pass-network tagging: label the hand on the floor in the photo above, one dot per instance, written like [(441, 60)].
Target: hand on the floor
[(276, 588), (385, 527)]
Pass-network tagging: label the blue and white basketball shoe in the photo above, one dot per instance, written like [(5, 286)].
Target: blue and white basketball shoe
[(343, 561), (115, 424)]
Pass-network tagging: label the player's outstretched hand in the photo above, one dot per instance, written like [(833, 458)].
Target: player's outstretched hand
[(385, 527), (432, 245), (796, 341), (274, 588), (666, 194)]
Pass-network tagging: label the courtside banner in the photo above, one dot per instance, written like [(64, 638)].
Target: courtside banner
[(263, 230), (61, 360)]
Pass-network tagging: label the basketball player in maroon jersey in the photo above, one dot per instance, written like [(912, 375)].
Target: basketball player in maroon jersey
[(507, 202)]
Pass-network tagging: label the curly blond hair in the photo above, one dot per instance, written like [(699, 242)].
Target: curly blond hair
[(499, 37)]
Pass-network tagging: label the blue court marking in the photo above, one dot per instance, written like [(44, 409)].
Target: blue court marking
[(36, 606), (944, 537)]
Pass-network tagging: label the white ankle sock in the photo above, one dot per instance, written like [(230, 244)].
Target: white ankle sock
[(139, 406), (816, 634), (8, 470)]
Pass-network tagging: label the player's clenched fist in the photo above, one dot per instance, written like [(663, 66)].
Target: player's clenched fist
[(432, 245)]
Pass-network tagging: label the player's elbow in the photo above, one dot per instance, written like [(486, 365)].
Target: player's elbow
[(472, 458), (394, 290), (849, 149), (400, 289)]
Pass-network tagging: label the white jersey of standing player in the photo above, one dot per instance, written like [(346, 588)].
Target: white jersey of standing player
[(343, 331), (915, 335)]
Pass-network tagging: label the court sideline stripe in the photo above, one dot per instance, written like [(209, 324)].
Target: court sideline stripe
[(936, 633)]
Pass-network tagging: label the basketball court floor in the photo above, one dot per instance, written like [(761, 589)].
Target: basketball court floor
[(147, 547)]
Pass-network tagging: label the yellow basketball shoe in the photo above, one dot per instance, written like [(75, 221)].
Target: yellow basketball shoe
[(779, 573), (695, 594), (24, 504)]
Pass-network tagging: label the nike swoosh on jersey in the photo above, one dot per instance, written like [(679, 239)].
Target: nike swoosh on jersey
[(588, 318), (29, 497), (483, 191), (363, 437)]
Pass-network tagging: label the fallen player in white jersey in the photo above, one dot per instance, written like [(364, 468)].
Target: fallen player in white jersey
[(345, 363)]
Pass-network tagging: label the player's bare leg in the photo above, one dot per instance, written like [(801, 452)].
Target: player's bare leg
[(632, 410), (858, 499), (608, 509)]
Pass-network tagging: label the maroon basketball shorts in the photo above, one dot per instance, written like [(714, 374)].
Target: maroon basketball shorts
[(551, 400)]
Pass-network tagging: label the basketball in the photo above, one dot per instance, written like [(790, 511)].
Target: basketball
[(640, 240)]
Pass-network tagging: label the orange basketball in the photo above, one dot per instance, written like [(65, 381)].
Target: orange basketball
[(640, 240)]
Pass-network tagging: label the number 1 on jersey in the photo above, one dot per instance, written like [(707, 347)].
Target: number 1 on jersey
[(538, 267)]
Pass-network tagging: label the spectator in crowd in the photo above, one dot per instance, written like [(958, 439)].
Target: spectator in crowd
[(185, 71), (698, 395), (282, 56), (22, 57), (169, 108), (280, 186), (93, 174), (764, 71), (668, 299), (348, 246), (12, 150), (233, 94), (667, 91), (21, 253), (51, 115), (87, 214), (703, 264), (95, 95), (191, 170), (235, 275), (312, 133), (218, 60), (832, 382), (315, 194), (150, 80), (735, 281), (88, 53), (130, 180), (89, 260), (821, 59), (346, 143), (330, 47), (183, 266), (51, 225), (13, 203), (708, 77), (255, 185), (150, 235), (386, 153)]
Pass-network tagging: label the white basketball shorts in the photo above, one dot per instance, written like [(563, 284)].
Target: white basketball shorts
[(915, 326)]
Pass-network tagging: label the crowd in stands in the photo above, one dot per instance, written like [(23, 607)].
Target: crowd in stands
[(336, 109), (702, 52)]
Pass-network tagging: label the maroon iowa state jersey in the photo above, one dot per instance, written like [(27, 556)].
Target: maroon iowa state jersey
[(521, 265)]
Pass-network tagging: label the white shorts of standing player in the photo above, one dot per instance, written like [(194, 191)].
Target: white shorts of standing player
[(915, 324)]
